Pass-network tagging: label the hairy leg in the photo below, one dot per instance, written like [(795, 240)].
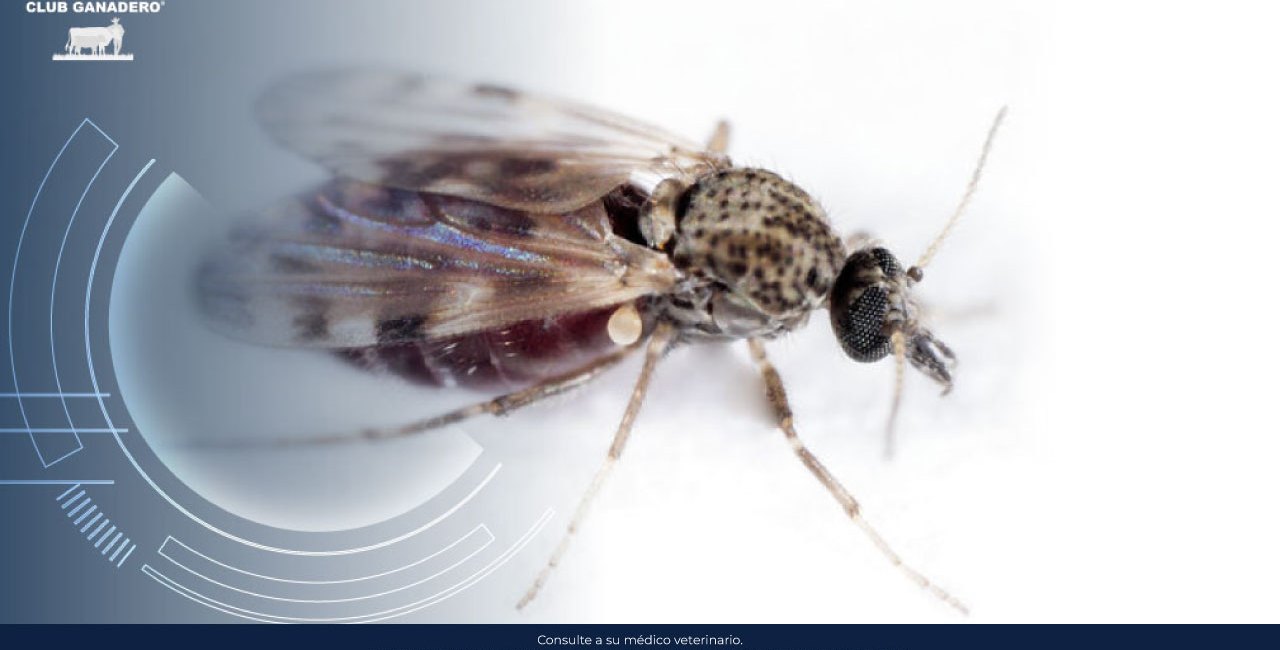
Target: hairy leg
[(782, 412), (658, 344)]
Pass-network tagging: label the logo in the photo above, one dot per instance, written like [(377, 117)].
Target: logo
[(91, 44)]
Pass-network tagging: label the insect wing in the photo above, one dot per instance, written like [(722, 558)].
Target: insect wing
[(480, 142), (357, 265)]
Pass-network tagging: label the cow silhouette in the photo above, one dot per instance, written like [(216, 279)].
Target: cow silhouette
[(95, 38)]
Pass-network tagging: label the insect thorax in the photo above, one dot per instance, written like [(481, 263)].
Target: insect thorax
[(757, 252)]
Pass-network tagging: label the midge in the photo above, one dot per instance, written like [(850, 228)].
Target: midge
[(477, 236)]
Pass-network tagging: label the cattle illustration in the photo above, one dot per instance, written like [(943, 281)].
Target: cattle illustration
[(96, 39)]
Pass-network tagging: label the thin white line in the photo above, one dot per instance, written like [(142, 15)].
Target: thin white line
[(53, 286), (59, 459), (170, 538), (72, 500), (118, 549), (104, 538), (95, 530), (22, 395), (479, 575), (77, 508), (492, 566), (320, 601), (483, 572), (102, 133), (192, 596), (63, 482), (69, 491), (84, 516), (126, 555), (348, 551), (67, 430), (113, 541), (94, 57), (91, 522), (13, 279)]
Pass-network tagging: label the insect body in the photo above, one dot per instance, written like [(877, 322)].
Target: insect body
[(477, 236)]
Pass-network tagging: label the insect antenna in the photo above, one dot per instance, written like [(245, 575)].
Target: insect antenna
[(964, 200), (916, 273)]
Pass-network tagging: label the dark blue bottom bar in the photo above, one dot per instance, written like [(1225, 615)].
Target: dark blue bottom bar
[(700, 637)]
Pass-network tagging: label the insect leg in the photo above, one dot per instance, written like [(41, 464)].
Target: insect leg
[(782, 411), (500, 405), (969, 191), (719, 140), (658, 345)]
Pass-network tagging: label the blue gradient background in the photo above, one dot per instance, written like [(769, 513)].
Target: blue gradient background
[(185, 102)]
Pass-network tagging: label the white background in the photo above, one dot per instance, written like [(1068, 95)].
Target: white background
[(1107, 454)]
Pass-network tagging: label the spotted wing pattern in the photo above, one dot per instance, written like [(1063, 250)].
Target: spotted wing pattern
[(486, 143), (356, 265)]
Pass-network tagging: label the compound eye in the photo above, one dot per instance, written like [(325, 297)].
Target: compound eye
[(860, 303), (887, 262), (860, 328)]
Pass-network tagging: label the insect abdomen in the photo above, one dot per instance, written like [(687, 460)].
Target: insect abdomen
[(510, 357)]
